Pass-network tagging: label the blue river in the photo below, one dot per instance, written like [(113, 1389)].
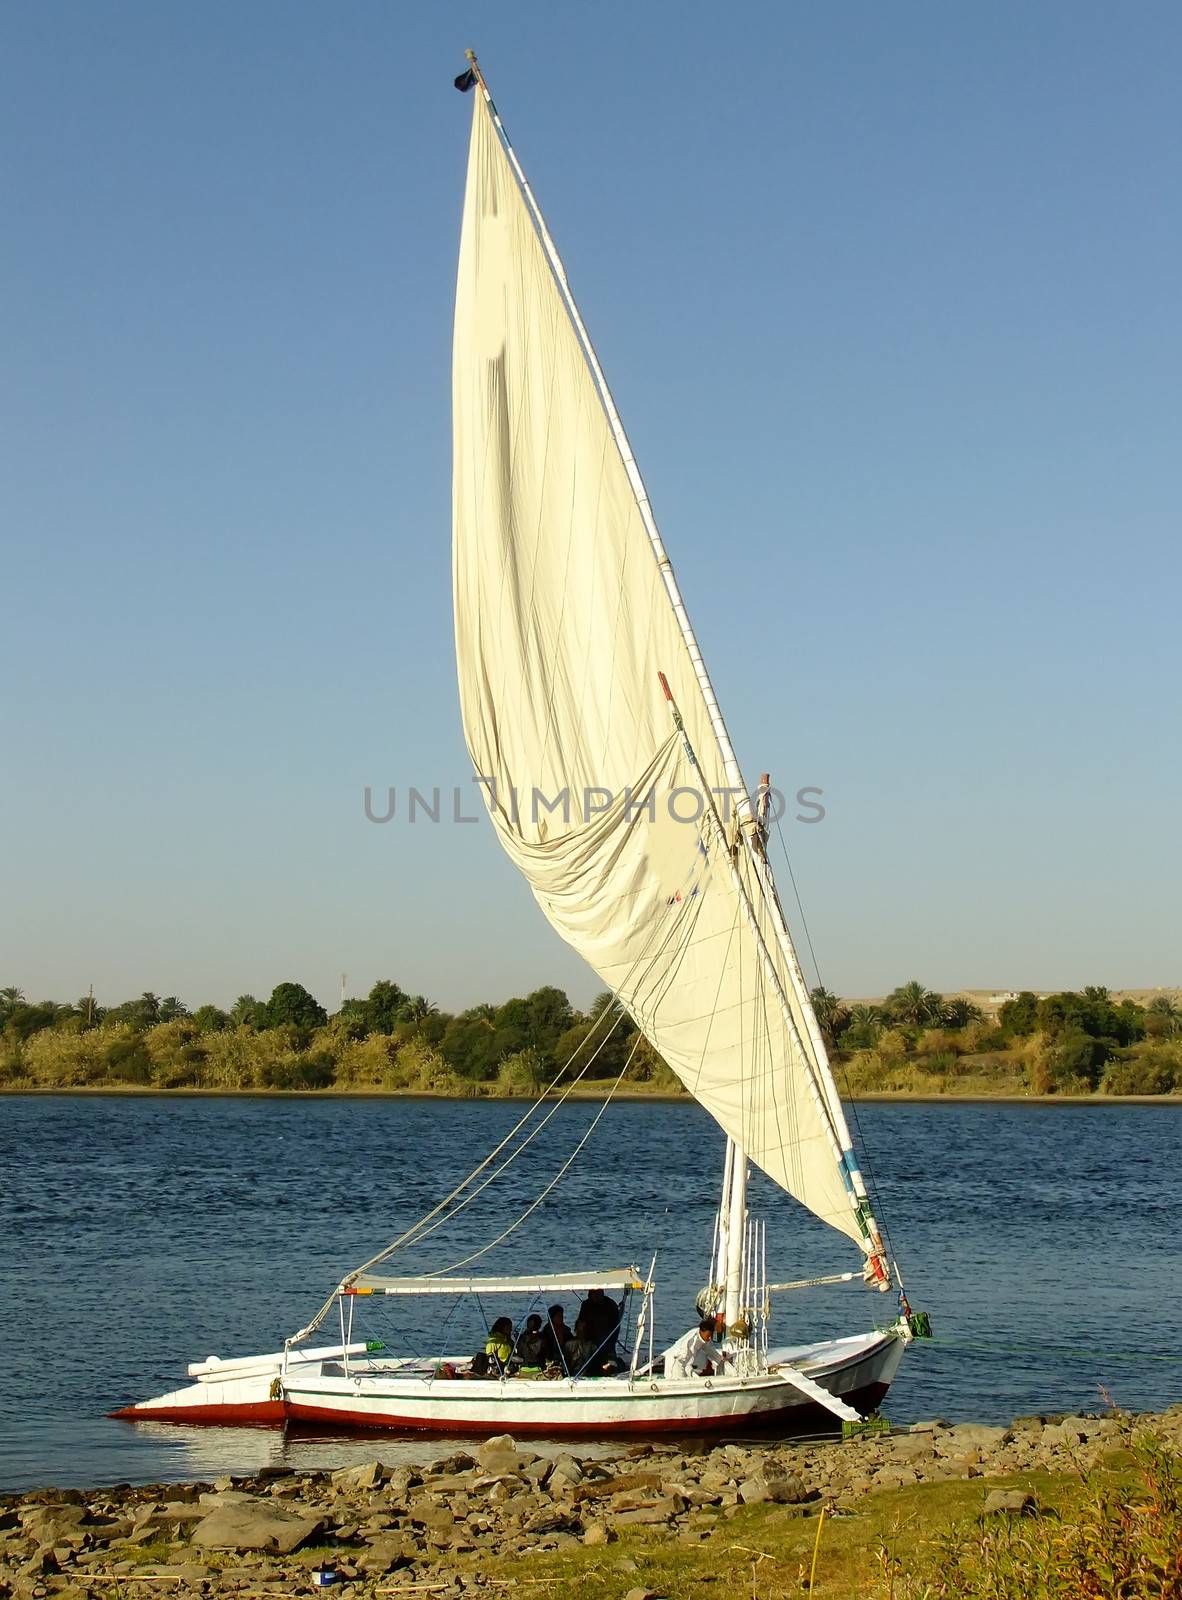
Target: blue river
[(140, 1233)]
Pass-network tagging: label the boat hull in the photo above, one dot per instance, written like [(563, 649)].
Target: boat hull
[(372, 1397)]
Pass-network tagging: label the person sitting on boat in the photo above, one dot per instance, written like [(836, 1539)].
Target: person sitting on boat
[(695, 1355), (556, 1336), (531, 1344), (602, 1317), (499, 1345), (581, 1353)]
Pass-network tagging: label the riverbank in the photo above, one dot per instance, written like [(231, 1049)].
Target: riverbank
[(593, 1092), (882, 1514)]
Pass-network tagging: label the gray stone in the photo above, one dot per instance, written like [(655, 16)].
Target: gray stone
[(369, 1476), (222, 1497), (402, 1480), (977, 1436), (570, 1470), (500, 1455), (55, 1524), (658, 1511), (598, 1533), (907, 1448), (1014, 1502), (261, 1526), (895, 1477), (551, 1519)]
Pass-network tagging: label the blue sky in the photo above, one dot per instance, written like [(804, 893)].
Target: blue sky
[(889, 300)]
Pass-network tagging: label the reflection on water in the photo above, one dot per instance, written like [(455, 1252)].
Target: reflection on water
[(209, 1452), (137, 1235)]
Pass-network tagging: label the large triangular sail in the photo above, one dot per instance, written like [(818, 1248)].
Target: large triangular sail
[(590, 719)]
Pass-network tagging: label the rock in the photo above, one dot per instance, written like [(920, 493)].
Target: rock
[(224, 1497), (569, 1470), (500, 1455), (976, 1436), (369, 1476), (787, 1490), (55, 1524), (385, 1554), (907, 1448), (1015, 1502), (401, 1481), (260, 1526), (437, 1519), (551, 1519), (599, 1533), (895, 1477), (597, 1487), (933, 1426), (642, 1516), (641, 1594)]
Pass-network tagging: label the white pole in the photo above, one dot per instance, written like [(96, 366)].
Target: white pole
[(736, 1229), (723, 1220)]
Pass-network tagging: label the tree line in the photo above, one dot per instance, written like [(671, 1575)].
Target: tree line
[(387, 1040), (916, 1039), (1073, 1042)]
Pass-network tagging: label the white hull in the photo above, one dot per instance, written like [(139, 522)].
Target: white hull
[(407, 1397)]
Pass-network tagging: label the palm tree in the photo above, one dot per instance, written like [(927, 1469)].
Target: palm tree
[(959, 1012), (1163, 1016), (416, 1007), (12, 996), (245, 1009), (911, 1003), (831, 1014)]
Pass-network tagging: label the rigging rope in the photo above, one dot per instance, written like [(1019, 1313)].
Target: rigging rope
[(428, 1223), (563, 1169)]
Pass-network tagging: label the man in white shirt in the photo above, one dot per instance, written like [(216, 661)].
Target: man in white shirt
[(695, 1355)]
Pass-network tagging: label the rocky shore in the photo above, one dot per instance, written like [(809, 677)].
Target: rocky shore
[(444, 1529)]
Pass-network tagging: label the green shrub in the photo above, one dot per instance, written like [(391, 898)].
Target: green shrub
[(1148, 1072), (1116, 1547)]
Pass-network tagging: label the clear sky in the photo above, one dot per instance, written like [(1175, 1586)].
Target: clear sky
[(889, 297)]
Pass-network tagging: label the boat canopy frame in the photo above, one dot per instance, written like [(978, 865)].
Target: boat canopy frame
[(625, 1278)]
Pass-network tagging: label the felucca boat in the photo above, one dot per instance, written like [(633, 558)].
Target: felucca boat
[(613, 786)]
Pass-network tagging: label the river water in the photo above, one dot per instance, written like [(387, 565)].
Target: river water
[(138, 1234)]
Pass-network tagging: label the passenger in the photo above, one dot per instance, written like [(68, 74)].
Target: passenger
[(581, 1353), (531, 1344), (695, 1355), (499, 1347), (602, 1317), (480, 1366), (556, 1336)]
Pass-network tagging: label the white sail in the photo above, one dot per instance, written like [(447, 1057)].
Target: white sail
[(564, 624)]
